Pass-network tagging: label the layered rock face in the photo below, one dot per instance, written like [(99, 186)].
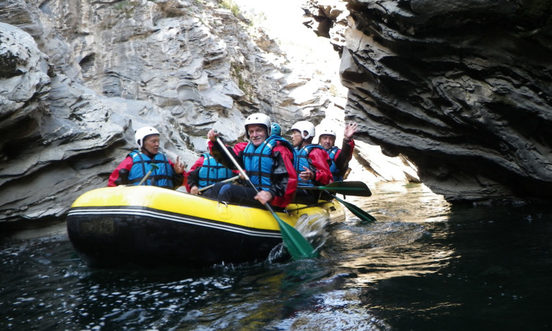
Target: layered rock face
[(462, 88), (78, 77)]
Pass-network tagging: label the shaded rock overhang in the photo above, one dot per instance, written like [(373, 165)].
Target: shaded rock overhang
[(462, 88)]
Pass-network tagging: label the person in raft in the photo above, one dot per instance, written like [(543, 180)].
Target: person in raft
[(339, 157), (138, 164), (207, 171), (311, 162), (275, 129), (268, 161)]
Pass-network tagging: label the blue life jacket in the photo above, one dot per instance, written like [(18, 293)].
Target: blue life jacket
[(301, 159), (141, 165), (332, 152), (258, 161), (212, 172)]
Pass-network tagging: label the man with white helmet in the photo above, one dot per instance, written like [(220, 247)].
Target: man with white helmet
[(267, 160), (138, 164), (311, 162), (340, 157)]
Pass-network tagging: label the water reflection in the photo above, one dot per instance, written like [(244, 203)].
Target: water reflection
[(422, 266), (411, 221), (396, 201)]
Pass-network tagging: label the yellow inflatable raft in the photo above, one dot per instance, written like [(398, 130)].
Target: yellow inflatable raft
[(149, 225)]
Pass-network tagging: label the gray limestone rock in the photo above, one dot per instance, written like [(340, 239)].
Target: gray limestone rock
[(78, 77)]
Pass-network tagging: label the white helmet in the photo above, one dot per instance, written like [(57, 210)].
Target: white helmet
[(327, 130), (142, 133), (306, 129), (258, 118)]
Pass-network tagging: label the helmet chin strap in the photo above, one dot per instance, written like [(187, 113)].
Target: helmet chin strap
[(145, 151)]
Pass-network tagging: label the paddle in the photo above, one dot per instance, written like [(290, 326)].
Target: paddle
[(153, 167), (231, 179), (346, 188), (356, 210), (296, 244)]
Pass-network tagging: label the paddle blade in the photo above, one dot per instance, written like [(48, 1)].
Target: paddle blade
[(364, 216), (346, 188), (297, 246), (356, 188)]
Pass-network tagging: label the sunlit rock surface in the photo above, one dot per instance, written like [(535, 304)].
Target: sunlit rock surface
[(78, 77), (462, 88)]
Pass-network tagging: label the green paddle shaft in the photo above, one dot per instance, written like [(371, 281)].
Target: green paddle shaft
[(364, 216), (296, 244)]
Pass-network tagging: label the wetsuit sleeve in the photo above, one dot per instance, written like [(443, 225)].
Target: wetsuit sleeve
[(193, 179), (284, 177), (197, 164), (125, 164), (178, 179), (193, 174), (222, 158), (319, 159), (344, 155)]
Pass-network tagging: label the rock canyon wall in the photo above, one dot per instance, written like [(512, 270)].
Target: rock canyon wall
[(462, 88), (78, 77)]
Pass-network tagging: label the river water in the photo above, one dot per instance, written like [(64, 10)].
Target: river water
[(422, 266)]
